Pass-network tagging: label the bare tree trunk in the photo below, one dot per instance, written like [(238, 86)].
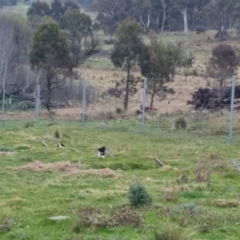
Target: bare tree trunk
[(152, 98), (185, 20), (148, 20), (125, 103), (144, 25), (147, 24), (221, 33), (6, 51), (49, 92), (157, 24), (164, 6)]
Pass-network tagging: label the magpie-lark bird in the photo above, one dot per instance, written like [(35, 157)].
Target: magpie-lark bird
[(61, 145), (101, 152)]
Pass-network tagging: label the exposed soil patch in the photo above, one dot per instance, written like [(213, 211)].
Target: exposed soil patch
[(38, 166), (71, 169), (106, 172), (6, 153)]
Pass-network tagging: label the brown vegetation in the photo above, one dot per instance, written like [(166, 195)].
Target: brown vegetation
[(69, 168)]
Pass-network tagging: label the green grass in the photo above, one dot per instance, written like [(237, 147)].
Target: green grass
[(20, 8), (29, 198), (98, 64)]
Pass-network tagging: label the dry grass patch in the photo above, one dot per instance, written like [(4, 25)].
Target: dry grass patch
[(38, 166), (227, 203), (105, 172), (2, 153), (71, 169), (166, 168)]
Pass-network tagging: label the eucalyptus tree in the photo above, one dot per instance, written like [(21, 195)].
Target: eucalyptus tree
[(78, 28), (111, 13), (50, 53), (127, 50), (224, 14), (142, 11)]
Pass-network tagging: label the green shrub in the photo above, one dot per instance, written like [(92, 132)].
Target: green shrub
[(191, 194), (188, 207), (29, 124), (23, 105), (5, 149), (119, 110), (6, 224), (180, 123), (57, 134), (138, 195)]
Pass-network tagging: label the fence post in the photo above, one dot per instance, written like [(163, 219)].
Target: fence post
[(144, 104), (38, 103), (232, 110), (3, 107), (84, 101)]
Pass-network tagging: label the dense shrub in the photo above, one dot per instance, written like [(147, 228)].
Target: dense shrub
[(138, 195), (172, 233), (29, 124), (57, 134), (180, 123), (117, 217), (24, 105)]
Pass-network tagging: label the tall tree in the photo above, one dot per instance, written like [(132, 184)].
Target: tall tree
[(78, 27), (142, 11), (161, 11), (50, 52), (155, 65), (183, 6), (111, 13), (127, 49), (6, 55), (221, 12), (38, 8), (190, 9), (57, 9), (223, 63)]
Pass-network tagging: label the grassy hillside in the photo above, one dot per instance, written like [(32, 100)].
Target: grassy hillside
[(197, 189)]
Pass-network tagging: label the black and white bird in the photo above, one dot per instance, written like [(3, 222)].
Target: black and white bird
[(101, 152), (61, 145)]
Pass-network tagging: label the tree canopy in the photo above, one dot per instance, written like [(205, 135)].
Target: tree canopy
[(169, 14), (50, 52), (127, 49), (223, 63), (78, 27)]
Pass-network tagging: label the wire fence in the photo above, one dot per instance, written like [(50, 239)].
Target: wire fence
[(80, 103)]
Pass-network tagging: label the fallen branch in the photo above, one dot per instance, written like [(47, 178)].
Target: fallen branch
[(44, 144), (74, 149), (236, 164), (158, 161), (107, 151)]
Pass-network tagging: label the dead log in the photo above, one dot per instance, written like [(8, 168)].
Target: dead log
[(215, 98), (236, 164), (109, 153), (159, 162), (74, 149)]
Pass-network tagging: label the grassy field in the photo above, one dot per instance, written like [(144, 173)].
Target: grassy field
[(20, 9), (197, 189)]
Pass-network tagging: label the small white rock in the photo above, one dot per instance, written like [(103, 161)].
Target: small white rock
[(59, 218)]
